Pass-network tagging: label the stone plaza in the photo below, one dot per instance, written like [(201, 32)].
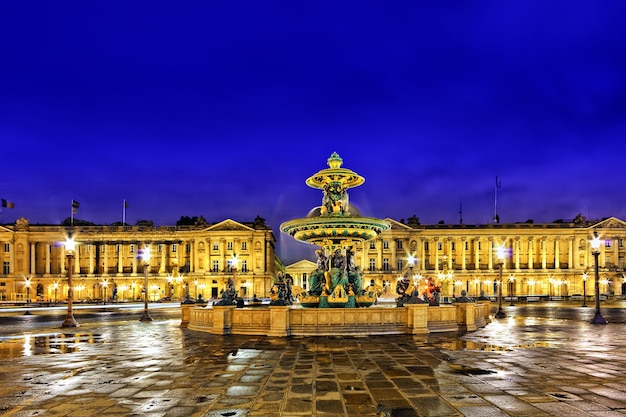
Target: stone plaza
[(533, 363)]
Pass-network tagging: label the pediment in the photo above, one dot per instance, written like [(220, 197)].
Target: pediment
[(229, 225), (5, 229), (302, 264), (396, 225), (610, 223)]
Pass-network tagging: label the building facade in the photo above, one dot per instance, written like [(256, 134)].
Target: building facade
[(552, 260), (107, 265)]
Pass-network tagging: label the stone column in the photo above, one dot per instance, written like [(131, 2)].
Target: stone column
[(490, 254), (48, 262), (476, 244), (120, 259), (531, 250), (435, 242), (463, 254), (544, 253), (279, 321), (417, 318), (570, 254), (33, 258), (557, 254), (517, 252)]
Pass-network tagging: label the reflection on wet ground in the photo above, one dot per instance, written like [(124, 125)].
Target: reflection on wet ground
[(520, 365)]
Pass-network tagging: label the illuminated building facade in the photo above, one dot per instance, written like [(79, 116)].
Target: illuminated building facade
[(543, 260), (197, 260)]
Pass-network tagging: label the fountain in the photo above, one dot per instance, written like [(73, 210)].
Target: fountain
[(336, 285), (336, 226)]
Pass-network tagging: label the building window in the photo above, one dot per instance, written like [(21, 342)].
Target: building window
[(385, 264), (451, 245), (607, 243), (216, 266), (88, 248), (372, 264), (187, 247), (229, 246), (160, 248), (174, 247), (244, 266), (399, 244), (6, 268), (7, 247), (620, 242), (216, 246), (385, 244), (117, 248), (103, 248), (478, 245), (439, 246), (400, 265), (372, 244), (244, 245), (466, 245), (131, 248), (425, 245)]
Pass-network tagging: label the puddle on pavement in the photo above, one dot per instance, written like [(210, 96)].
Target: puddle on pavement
[(45, 344), (473, 345)]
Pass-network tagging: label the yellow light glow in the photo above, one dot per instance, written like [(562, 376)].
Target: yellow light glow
[(70, 244), (145, 254)]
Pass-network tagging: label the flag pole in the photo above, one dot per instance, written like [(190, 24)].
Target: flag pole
[(72, 213), (124, 213)]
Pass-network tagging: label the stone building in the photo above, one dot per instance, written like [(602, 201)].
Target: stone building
[(107, 263), (543, 261)]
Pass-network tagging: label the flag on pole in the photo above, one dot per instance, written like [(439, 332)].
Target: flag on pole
[(75, 206), (7, 204), (125, 204)]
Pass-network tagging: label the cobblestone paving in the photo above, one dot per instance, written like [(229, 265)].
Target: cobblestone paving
[(514, 367)]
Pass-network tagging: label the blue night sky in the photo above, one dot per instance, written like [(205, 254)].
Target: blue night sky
[(224, 108)]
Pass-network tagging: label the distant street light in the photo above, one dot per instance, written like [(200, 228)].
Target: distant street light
[(595, 250), (584, 290), (145, 256), (70, 246), (27, 285), (511, 288), (500, 253), (105, 284)]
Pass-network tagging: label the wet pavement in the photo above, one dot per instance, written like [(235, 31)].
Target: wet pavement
[(541, 360)]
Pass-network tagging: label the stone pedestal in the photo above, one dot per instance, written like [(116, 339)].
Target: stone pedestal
[(465, 317), (417, 318), (279, 321), (185, 314), (222, 319)]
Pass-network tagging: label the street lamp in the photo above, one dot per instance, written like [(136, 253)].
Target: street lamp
[(70, 246), (584, 290), (145, 256), (595, 250), (500, 252), (105, 284), (27, 285), (511, 287), (55, 287)]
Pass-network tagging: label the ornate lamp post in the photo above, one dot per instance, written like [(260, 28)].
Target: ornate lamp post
[(595, 250), (70, 246), (584, 290), (145, 256), (500, 255)]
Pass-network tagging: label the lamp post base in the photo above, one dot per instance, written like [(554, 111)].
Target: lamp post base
[(499, 314), (598, 319), (70, 321), (145, 316)]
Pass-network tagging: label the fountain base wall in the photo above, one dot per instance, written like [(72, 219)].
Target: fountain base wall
[(294, 321)]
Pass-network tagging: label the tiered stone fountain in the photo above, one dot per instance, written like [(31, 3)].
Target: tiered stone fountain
[(336, 226)]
